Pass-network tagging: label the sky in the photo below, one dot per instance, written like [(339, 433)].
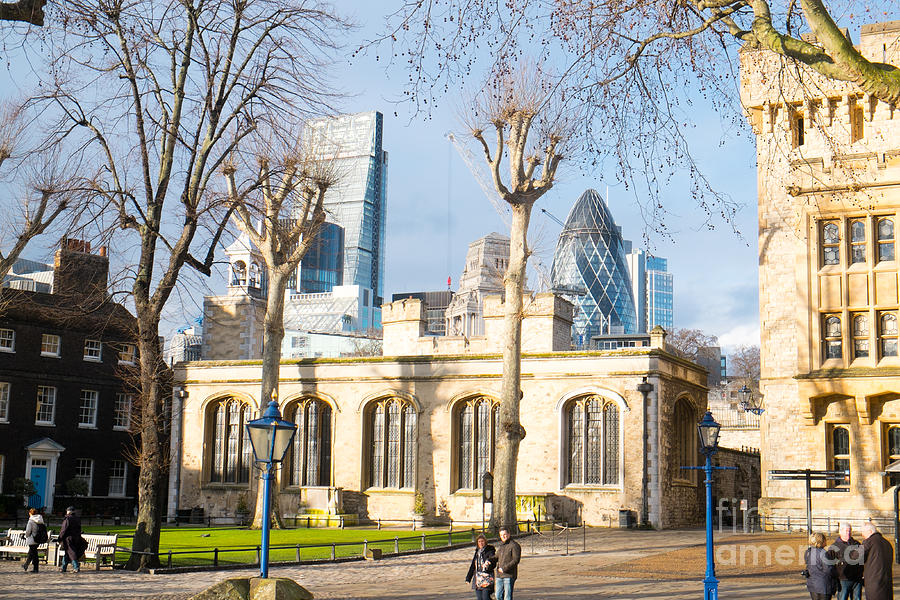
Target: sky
[(435, 207)]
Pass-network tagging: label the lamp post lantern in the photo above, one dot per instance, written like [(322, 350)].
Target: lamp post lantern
[(749, 403), (709, 444), (270, 436)]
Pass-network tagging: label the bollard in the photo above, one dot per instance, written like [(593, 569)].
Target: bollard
[(307, 522), (423, 541), (342, 521), (396, 545), (365, 547), (414, 524), (170, 559), (473, 534), (332, 552), (216, 557), (298, 552), (450, 538), (379, 523)]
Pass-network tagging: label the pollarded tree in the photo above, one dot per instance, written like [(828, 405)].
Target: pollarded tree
[(281, 211), (163, 94), (527, 133)]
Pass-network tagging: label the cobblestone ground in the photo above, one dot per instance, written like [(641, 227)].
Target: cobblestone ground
[(617, 564)]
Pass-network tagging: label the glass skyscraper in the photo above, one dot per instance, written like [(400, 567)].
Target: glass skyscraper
[(322, 267), (590, 264), (660, 294), (358, 201)]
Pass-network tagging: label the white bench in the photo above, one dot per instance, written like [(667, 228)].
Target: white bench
[(15, 544), (100, 548)]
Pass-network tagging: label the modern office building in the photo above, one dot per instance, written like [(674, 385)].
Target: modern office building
[(590, 259), (30, 275), (358, 201), (637, 271), (322, 267), (660, 296)]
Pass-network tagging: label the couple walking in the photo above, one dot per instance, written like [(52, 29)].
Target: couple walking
[(847, 567), (494, 570)]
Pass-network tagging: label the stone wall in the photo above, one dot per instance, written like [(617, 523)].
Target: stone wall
[(232, 327)]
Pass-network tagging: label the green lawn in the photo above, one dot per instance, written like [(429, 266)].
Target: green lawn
[(237, 546)]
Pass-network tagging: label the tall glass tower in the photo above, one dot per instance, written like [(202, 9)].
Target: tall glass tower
[(322, 267), (660, 294), (358, 201), (590, 263)]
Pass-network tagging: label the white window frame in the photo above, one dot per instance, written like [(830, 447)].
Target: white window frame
[(118, 410), (46, 340), (127, 354), (93, 396), (90, 476), (40, 402), (124, 478), (4, 402), (11, 347), (89, 350)]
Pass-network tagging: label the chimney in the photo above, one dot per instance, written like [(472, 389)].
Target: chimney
[(78, 273)]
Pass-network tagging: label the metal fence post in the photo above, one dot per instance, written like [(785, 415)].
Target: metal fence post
[(298, 552), (169, 562), (567, 541), (396, 545), (333, 554), (365, 547), (450, 538), (583, 536), (423, 541)]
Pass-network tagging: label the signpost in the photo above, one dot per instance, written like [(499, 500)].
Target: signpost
[(810, 475)]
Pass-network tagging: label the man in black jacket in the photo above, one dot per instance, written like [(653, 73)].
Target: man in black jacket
[(848, 556), (507, 560), (877, 575)]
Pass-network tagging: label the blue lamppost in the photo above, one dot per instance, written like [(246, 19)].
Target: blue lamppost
[(709, 444), (270, 436)]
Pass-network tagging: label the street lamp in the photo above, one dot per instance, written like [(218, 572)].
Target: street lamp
[(270, 436), (748, 402), (709, 444), (644, 387)]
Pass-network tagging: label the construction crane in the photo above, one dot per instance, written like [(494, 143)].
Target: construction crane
[(487, 187)]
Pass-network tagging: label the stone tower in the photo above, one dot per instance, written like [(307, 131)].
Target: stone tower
[(829, 200)]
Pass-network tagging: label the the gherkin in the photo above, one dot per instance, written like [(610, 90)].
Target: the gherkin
[(589, 266)]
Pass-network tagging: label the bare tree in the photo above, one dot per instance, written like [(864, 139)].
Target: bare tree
[(280, 211), (163, 94), (690, 343), (744, 365), (26, 11), (526, 132)]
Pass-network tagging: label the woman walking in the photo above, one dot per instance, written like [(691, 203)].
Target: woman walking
[(70, 540), (481, 570), (35, 535), (821, 576)]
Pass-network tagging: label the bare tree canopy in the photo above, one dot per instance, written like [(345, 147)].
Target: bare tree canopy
[(26, 11), (744, 365), (162, 95), (689, 343), (638, 69)]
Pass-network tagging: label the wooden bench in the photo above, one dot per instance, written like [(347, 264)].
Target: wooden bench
[(100, 548), (15, 544)]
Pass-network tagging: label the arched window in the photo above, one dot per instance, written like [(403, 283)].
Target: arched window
[(857, 241), (830, 243), (893, 451), (840, 451), (230, 453), (885, 232), (476, 436), (832, 338), (239, 273), (684, 423), (310, 457), (592, 424), (254, 275), (860, 336), (887, 333), (391, 436)]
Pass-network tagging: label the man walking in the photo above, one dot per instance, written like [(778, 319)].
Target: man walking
[(507, 560), (848, 554), (877, 576)]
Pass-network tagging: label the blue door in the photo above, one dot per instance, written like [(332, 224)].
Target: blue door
[(39, 477)]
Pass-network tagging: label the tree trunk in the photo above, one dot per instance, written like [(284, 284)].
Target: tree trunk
[(511, 431), (273, 335), (149, 518)]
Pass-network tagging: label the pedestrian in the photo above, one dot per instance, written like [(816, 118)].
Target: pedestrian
[(879, 558), (849, 556), (481, 570), (506, 561), (35, 535), (70, 540), (821, 576)]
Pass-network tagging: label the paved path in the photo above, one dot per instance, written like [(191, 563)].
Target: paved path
[(664, 565)]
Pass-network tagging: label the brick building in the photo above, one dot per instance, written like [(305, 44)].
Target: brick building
[(828, 160), (65, 406)]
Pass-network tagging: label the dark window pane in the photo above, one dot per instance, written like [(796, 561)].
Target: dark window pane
[(840, 441), (576, 443), (833, 350), (465, 447), (858, 231), (594, 442), (860, 348), (409, 447), (886, 229), (830, 233), (611, 444), (894, 441), (393, 445), (885, 251), (377, 476)]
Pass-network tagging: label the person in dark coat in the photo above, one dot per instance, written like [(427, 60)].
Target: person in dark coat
[(877, 577), (821, 576), (481, 570), (35, 523), (849, 556), (506, 561), (70, 540)]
